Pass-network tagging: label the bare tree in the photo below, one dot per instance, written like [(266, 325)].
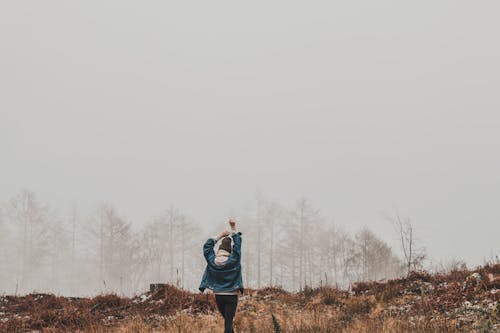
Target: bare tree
[(414, 255), (375, 257), (114, 239), (287, 246), (29, 218), (170, 239), (140, 261), (154, 243), (59, 251), (347, 249), (308, 219), (331, 240), (258, 245), (259, 234), (5, 253), (172, 217), (298, 251), (288, 251), (188, 247), (272, 215), (74, 229)]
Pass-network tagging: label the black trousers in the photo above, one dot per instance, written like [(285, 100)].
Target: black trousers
[(227, 307)]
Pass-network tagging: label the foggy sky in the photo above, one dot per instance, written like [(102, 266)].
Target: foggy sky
[(363, 107)]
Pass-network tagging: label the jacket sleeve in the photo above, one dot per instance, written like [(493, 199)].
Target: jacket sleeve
[(208, 250), (236, 253)]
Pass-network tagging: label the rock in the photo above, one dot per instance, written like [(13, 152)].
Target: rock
[(493, 278), (142, 298), (474, 279)]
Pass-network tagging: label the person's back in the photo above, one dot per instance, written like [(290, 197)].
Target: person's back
[(223, 273)]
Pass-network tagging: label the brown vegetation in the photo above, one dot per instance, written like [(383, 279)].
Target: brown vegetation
[(456, 302)]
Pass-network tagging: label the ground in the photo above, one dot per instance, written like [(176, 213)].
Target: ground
[(461, 301)]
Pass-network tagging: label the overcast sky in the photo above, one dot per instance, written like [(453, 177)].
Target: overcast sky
[(363, 107)]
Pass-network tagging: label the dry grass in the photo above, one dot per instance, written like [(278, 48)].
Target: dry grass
[(299, 323), (457, 302)]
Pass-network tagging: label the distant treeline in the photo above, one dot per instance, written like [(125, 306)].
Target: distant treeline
[(291, 247)]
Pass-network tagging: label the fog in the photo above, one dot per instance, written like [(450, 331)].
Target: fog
[(366, 109)]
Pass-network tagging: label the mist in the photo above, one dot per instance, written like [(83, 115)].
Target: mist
[(365, 111)]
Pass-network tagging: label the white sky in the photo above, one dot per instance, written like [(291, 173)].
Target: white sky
[(364, 107)]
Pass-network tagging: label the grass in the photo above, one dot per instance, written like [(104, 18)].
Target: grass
[(445, 303)]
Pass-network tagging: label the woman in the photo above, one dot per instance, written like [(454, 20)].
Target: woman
[(223, 273)]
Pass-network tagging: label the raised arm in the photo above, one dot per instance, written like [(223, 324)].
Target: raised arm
[(236, 253), (208, 250), (208, 247)]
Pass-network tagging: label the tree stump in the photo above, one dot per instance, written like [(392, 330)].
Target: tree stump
[(155, 287)]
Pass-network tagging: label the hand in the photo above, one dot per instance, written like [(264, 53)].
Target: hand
[(232, 223), (225, 233)]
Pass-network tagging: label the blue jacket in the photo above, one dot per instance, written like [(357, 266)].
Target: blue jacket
[(225, 277)]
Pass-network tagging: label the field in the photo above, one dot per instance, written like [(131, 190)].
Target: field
[(460, 301)]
